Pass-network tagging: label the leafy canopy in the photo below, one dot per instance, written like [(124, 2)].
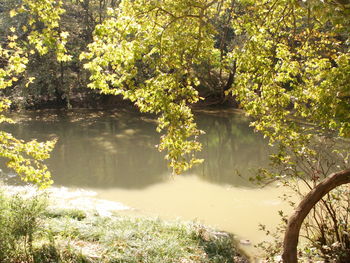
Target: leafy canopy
[(147, 51), (43, 34), (291, 61)]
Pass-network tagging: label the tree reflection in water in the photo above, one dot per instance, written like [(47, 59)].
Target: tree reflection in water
[(116, 149)]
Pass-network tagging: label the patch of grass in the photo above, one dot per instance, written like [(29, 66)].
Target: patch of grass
[(61, 212), (72, 236)]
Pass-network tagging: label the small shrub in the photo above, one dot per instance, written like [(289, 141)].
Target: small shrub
[(19, 222)]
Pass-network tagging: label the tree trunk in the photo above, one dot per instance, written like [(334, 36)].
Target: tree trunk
[(291, 236)]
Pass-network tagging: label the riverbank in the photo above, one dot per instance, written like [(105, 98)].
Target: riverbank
[(34, 229)]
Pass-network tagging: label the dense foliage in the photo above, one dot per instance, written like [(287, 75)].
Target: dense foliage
[(149, 52), (42, 34), (156, 53)]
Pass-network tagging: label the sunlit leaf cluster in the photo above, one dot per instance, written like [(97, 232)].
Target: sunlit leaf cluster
[(43, 34), (26, 158), (146, 51), (294, 68), (43, 26)]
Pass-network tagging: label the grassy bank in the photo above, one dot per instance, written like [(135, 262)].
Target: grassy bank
[(33, 231)]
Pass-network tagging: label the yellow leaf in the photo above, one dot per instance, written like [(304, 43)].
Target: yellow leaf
[(13, 13)]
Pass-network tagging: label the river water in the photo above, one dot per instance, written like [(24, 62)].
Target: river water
[(113, 154)]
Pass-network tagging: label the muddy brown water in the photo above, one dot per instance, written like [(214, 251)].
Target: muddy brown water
[(113, 154)]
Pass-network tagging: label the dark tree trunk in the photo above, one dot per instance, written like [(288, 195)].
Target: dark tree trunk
[(291, 236)]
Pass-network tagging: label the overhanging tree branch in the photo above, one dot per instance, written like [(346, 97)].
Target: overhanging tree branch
[(291, 236)]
